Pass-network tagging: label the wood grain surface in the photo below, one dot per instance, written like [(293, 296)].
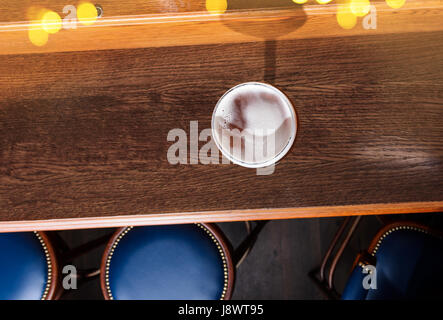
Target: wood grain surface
[(84, 134)]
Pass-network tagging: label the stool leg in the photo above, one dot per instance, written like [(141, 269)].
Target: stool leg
[(341, 249), (86, 247), (318, 274), (248, 243), (66, 255)]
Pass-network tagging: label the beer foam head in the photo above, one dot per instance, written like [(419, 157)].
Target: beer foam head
[(253, 123)]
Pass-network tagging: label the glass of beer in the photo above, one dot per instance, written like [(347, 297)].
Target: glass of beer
[(254, 125)]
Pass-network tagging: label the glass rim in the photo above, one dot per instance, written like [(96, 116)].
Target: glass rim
[(284, 150)]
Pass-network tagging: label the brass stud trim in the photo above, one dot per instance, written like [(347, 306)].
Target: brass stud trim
[(48, 266), (390, 231), (223, 257), (108, 261), (220, 250)]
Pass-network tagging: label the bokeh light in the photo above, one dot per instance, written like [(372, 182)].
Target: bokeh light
[(37, 35), (216, 6), (360, 7), (323, 1), (300, 1), (395, 4), (86, 13), (345, 18), (51, 22)]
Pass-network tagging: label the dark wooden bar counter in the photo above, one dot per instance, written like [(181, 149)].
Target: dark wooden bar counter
[(83, 135)]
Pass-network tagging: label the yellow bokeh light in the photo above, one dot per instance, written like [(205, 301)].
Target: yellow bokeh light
[(395, 4), (345, 18), (360, 7), (51, 22), (87, 13), (300, 1), (323, 1), (216, 6), (37, 36)]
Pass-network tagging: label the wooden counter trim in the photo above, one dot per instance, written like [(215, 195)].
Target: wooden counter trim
[(221, 216), (197, 28)]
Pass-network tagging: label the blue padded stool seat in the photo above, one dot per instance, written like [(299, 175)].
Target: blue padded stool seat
[(167, 262), (409, 265), (25, 267)]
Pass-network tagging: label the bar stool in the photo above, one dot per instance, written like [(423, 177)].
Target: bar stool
[(408, 258), (177, 262), (28, 267)]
